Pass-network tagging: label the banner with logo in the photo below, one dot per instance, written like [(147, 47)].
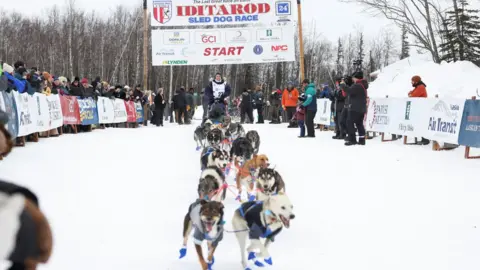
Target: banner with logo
[(324, 114), (120, 112), (88, 111), (407, 116), (470, 127), (9, 106), (379, 115), (27, 122), (139, 112), (220, 12), (443, 119), (106, 111), (42, 113), (55, 111), (131, 112), (70, 110), (223, 46)]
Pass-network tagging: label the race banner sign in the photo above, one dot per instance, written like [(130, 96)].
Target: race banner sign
[(120, 112), (88, 111), (26, 120), (222, 46), (70, 110), (7, 104), (55, 111), (470, 128), (443, 119), (42, 112), (324, 113), (139, 112), (379, 115), (131, 112), (106, 112), (221, 12)]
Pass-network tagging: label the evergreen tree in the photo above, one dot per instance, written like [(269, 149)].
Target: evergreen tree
[(339, 63), (405, 44), (361, 47), (371, 63)]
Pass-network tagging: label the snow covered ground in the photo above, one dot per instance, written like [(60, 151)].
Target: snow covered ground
[(116, 199)]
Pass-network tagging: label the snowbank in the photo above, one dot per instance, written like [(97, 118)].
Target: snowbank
[(458, 79)]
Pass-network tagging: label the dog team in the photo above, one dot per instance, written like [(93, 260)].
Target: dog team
[(268, 209)]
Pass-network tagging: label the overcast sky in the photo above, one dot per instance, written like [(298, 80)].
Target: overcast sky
[(332, 18)]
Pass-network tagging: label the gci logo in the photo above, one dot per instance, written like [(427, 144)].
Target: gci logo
[(209, 39)]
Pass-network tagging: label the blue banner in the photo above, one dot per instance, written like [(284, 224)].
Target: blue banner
[(11, 110), (470, 127), (88, 111), (139, 112)]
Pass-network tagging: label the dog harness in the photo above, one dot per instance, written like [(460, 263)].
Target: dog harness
[(252, 213), (199, 234)]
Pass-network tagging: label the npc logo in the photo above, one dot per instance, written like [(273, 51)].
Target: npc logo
[(258, 49), (162, 11)]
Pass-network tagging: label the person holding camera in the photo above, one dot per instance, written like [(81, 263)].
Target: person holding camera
[(338, 104), (357, 99)]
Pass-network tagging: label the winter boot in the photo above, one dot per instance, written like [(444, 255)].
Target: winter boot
[(350, 142), (336, 137), (361, 141)]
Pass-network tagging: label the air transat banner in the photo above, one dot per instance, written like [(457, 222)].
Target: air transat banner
[(221, 12), (223, 46)]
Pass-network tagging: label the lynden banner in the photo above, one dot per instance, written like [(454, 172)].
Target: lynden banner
[(470, 127)]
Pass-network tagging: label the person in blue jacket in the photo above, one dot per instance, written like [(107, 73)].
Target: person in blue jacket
[(310, 105)]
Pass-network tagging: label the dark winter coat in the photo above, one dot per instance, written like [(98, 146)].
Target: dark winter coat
[(247, 101), (159, 104), (179, 100), (357, 96), (275, 99), (338, 98), (56, 89), (189, 99), (77, 91), (258, 98), (137, 96), (212, 93)]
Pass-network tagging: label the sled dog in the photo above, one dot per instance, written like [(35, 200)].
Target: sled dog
[(269, 182)]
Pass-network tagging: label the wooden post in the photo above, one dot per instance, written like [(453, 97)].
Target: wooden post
[(145, 45), (467, 148), (300, 37)]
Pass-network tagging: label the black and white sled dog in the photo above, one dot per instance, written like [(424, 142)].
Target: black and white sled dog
[(254, 138), (264, 219), (269, 182), (234, 131), (206, 218), (215, 137), (214, 157), (210, 186), (241, 150), (200, 134)]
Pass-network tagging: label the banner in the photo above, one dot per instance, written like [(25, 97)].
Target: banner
[(407, 116), (105, 109), (55, 111), (70, 110), (220, 12), (42, 112), (26, 118), (442, 121), (139, 112), (11, 109), (88, 111), (222, 46), (379, 115), (470, 127), (120, 111), (324, 114), (131, 112)]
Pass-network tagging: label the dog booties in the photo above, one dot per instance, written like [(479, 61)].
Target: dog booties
[(251, 212)]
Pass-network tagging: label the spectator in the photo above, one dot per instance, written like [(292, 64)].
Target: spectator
[(96, 84), (34, 79), (88, 88), (76, 89), (325, 92), (300, 116), (47, 83), (190, 108), (179, 105), (21, 75), (419, 91), (56, 86), (259, 103), (137, 94), (205, 103), (63, 86), (246, 106), (357, 96), (289, 102), (310, 105), (159, 108), (275, 102), (338, 103)]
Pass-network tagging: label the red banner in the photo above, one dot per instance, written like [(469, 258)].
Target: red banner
[(70, 110), (131, 112)]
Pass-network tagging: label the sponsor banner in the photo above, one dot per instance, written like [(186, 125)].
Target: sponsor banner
[(139, 112), (379, 115), (88, 111), (42, 112), (443, 119), (407, 116), (106, 111), (222, 46), (470, 127), (70, 110), (120, 112), (55, 111), (27, 123), (131, 112), (324, 114), (220, 12), (8, 105)]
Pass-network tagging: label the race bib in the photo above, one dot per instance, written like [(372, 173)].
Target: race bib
[(218, 89)]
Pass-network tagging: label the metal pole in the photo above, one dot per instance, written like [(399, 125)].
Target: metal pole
[(145, 45), (300, 37)]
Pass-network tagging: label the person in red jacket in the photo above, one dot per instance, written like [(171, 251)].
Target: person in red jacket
[(420, 88), (289, 101)]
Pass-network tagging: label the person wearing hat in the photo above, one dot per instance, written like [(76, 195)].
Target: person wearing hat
[(357, 97), (76, 89), (246, 106), (289, 102), (275, 102), (217, 90), (310, 105), (259, 104), (419, 91)]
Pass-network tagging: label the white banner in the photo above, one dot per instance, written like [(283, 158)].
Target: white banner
[(55, 111), (41, 111), (379, 115), (27, 122), (443, 120), (407, 115), (221, 12), (106, 112), (324, 112), (120, 112), (222, 46)]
